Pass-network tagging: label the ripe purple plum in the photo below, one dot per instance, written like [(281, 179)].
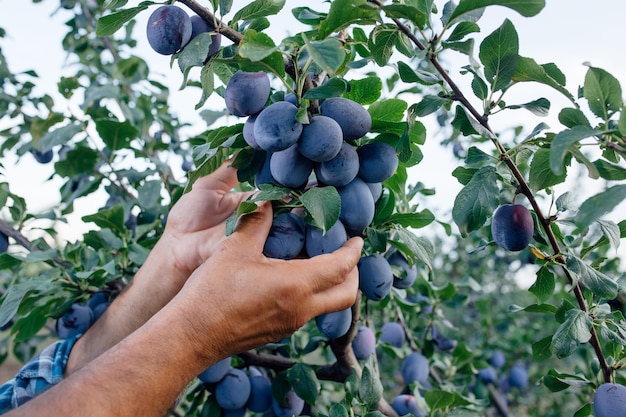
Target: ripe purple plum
[(408, 274), (215, 372), (378, 161), (488, 375), (497, 359), (512, 227), (4, 242), (248, 132), (354, 120), (375, 276), (317, 242), (286, 237), (518, 376), (198, 26), (76, 320), (334, 325), (289, 168), (247, 92), (415, 368), (276, 127), (233, 390), (264, 175), (293, 405), (43, 157), (357, 206), (405, 404), (341, 169), (610, 401), (321, 139), (260, 399), (169, 29), (441, 341), (98, 304), (364, 343), (393, 333), (377, 190)]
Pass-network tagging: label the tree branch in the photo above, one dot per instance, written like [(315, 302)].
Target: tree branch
[(204, 13)]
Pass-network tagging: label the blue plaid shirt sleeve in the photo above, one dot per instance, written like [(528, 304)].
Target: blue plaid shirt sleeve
[(40, 373)]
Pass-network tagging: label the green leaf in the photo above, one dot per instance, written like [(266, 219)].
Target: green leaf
[(611, 231), (343, 13), (77, 161), (439, 400), (428, 105), (337, 410), (570, 117), (528, 70), (539, 107), (381, 42), (328, 54), (477, 201), (598, 205), (116, 135), (610, 171), (112, 218), (8, 261), (414, 220), (308, 16), (407, 11), (108, 25), (412, 246), (258, 8), (207, 81), (256, 45), (304, 382), (527, 8), (390, 110), (541, 349), (59, 136), (601, 285), (603, 93), (323, 204), (371, 389), (541, 175), (544, 286), (334, 87), (462, 30), (194, 54), (572, 332), (562, 142), (364, 91), (499, 55)]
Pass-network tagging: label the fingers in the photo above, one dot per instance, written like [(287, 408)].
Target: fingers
[(253, 228), (330, 268)]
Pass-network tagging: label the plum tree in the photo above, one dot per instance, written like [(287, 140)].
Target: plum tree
[(200, 25), (378, 161), (364, 343), (276, 127), (610, 400), (321, 139), (215, 372), (375, 276), (75, 321), (317, 242), (233, 390), (286, 237), (335, 324), (290, 168), (357, 206), (341, 169), (247, 92), (512, 227), (354, 120), (168, 30)]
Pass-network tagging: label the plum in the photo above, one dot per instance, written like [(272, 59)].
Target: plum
[(198, 26), (289, 168), (215, 372), (441, 341), (409, 274), (76, 320), (488, 375), (169, 29), (335, 324), (233, 390), (393, 333), (377, 190), (321, 139), (415, 368), (264, 175), (293, 405), (247, 92), (405, 404), (518, 376), (378, 161), (357, 206), (317, 242), (375, 276), (260, 399), (512, 227), (98, 304), (4, 242), (610, 401), (248, 132), (354, 120), (497, 359), (364, 343), (43, 157), (187, 165), (276, 127), (341, 169), (286, 237)]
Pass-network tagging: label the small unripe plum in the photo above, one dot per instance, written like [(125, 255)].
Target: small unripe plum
[(610, 401), (76, 320), (393, 333), (321, 139), (364, 343), (260, 399), (341, 169), (415, 368), (405, 404), (488, 375), (43, 157), (168, 30), (409, 275), (354, 120), (198, 26), (4, 242), (233, 390), (518, 376), (512, 227), (357, 206), (497, 359), (289, 168), (247, 92), (286, 237), (215, 372), (294, 405), (335, 324), (317, 242), (378, 161), (276, 127), (375, 276)]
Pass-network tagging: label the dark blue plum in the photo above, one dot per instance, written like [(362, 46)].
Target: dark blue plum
[(378, 161), (276, 127), (341, 169), (321, 139), (497, 359), (408, 274), (335, 324), (354, 120), (415, 368), (610, 401), (317, 242), (488, 375), (237, 412), (518, 377), (293, 405), (441, 341), (375, 276), (264, 176), (364, 343), (248, 132), (76, 320), (512, 227), (43, 157), (198, 26), (405, 404), (377, 190), (168, 30), (291, 98), (260, 399), (4, 242), (233, 390), (289, 168), (215, 372), (286, 237), (247, 92), (187, 165), (393, 333), (98, 304), (357, 207)]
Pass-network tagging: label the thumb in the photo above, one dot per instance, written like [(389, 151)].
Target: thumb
[(252, 228)]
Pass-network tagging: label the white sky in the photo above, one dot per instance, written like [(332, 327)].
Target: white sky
[(566, 32)]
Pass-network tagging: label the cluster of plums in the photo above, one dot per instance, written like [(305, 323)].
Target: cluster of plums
[(512, 227), (237, 391), (78, 318)]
